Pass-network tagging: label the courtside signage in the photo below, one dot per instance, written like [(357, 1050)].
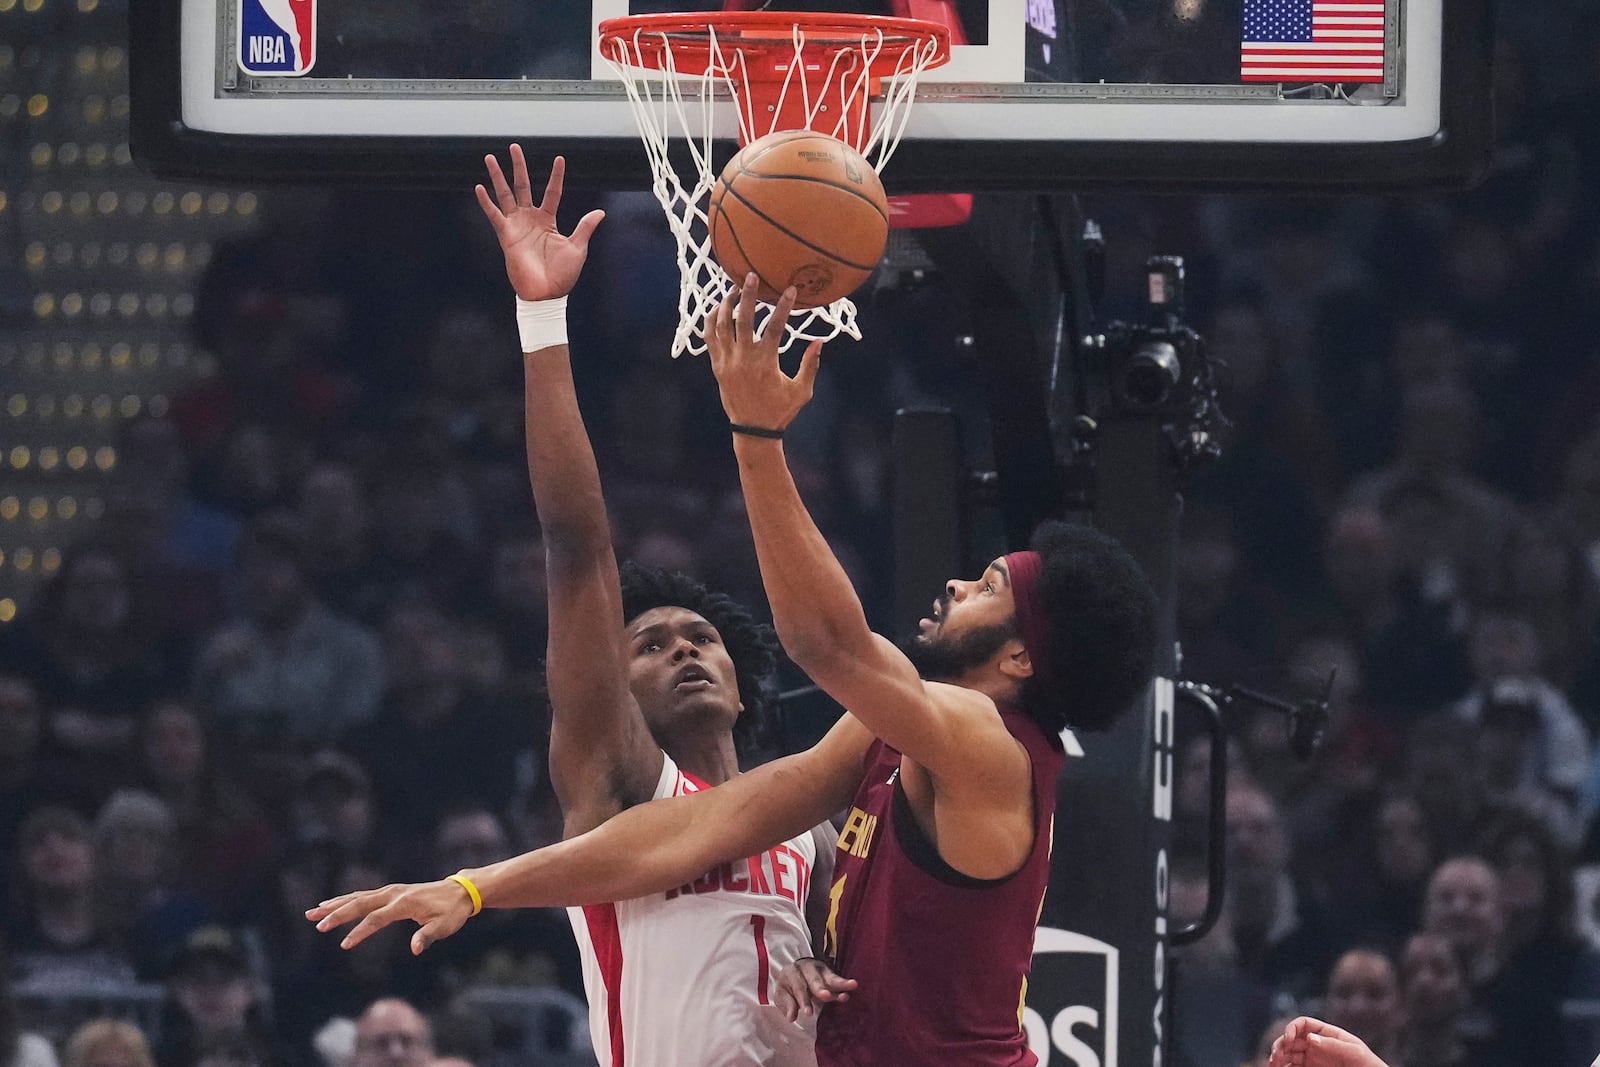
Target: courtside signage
[(277, 38)]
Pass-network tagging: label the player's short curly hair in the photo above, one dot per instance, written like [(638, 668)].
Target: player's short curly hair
[(1102, 616), (751, 644)]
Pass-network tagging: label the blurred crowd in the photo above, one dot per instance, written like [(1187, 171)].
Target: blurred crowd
[(302, 651)]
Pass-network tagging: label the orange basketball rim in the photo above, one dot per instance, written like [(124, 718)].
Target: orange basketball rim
[(849, 76)]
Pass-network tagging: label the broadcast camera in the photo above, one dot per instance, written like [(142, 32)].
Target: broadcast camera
[(1158, 367)]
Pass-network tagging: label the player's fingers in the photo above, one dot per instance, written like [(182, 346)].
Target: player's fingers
[(491, 212), (806, 376), (723, 320), (786, 1003), (427, 934), (502, 191), (795, 985), (375, 921), (745, 323), (773, 334), (552, 187), (586, 227), (346, 909)]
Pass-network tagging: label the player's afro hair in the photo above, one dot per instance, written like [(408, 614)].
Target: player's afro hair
[(1102, 615), (752, 645)]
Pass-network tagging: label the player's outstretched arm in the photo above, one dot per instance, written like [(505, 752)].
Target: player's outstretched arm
[(601, 755), (650, 848), (1308, 1042), (816, 611)]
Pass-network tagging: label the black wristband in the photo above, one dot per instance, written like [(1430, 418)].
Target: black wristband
[(755, 431)]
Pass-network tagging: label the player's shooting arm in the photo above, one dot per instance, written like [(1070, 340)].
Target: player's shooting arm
[(649, 848), (815, 609), (602, 757)]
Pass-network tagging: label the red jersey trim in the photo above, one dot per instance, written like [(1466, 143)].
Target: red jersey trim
[(606, 937)]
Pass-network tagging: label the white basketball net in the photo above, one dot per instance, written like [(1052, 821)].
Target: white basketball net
[(657, 98)]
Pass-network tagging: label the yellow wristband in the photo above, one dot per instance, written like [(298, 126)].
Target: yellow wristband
[(472, 891)]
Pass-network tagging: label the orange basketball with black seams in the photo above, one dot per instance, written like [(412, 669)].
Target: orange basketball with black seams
[(799, 208)]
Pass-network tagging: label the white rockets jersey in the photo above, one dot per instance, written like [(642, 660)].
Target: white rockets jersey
[(688, 978)]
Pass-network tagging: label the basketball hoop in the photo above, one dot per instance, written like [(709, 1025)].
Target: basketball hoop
[(783, 70)]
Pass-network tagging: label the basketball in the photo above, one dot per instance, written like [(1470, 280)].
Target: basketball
[(803, 209)]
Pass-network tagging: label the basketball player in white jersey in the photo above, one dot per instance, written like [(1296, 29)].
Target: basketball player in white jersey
[(647, 674)]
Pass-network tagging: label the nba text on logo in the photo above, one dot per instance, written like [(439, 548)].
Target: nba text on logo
[(277, 38), (1086, 971)]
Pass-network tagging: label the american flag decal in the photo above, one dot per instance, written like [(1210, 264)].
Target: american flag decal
[(1313, 40)]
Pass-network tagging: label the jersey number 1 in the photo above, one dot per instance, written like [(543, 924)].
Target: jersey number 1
[(758, 927)]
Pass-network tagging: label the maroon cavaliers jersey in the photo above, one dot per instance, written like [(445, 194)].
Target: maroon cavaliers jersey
[(940, 958)]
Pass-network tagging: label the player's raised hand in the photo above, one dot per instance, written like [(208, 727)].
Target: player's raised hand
[(541, 263), (807, 983), (1308, 1042), (755, 390), (439, 908)]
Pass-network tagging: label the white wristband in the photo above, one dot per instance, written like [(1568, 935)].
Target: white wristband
[(542, 323)]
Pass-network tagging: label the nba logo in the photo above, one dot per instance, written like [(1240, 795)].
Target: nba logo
[(277, 38)]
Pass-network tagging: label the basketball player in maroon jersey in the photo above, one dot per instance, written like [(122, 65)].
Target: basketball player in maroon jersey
[(946, 760)]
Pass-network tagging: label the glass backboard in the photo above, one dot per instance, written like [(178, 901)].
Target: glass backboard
[(1038, 94)]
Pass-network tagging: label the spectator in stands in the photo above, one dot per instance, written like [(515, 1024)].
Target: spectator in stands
[(333, 802), (1576, 510), (312, 980), (213, 1000), (1534, 748), (1451, 527), (290, 672), (463, 1036), (516, 601), (253, 470), (1465, 906), (93, 655), (418, 552), (1395, 870), (1364, 998), (107, 1043), (1547, 581), (1411, 657), (1278, 922), (55, 931), (224, 840), (1442, 772), (1223, 631), (233, 1052), (429, 729), (466, 380), (1217, 1008), (19, 1046), (173, 542), (337, 523), (28, 779), (1435, 994), (135, 857), (269, 344), (1536, 891), (526, 947), (392, 1033)]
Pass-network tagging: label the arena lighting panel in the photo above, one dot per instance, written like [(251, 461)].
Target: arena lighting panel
[(1043, 99)]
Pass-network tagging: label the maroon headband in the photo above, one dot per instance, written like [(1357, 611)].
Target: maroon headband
[(1025, 569)]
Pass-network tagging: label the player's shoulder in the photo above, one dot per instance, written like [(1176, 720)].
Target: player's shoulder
[(980, 708)]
